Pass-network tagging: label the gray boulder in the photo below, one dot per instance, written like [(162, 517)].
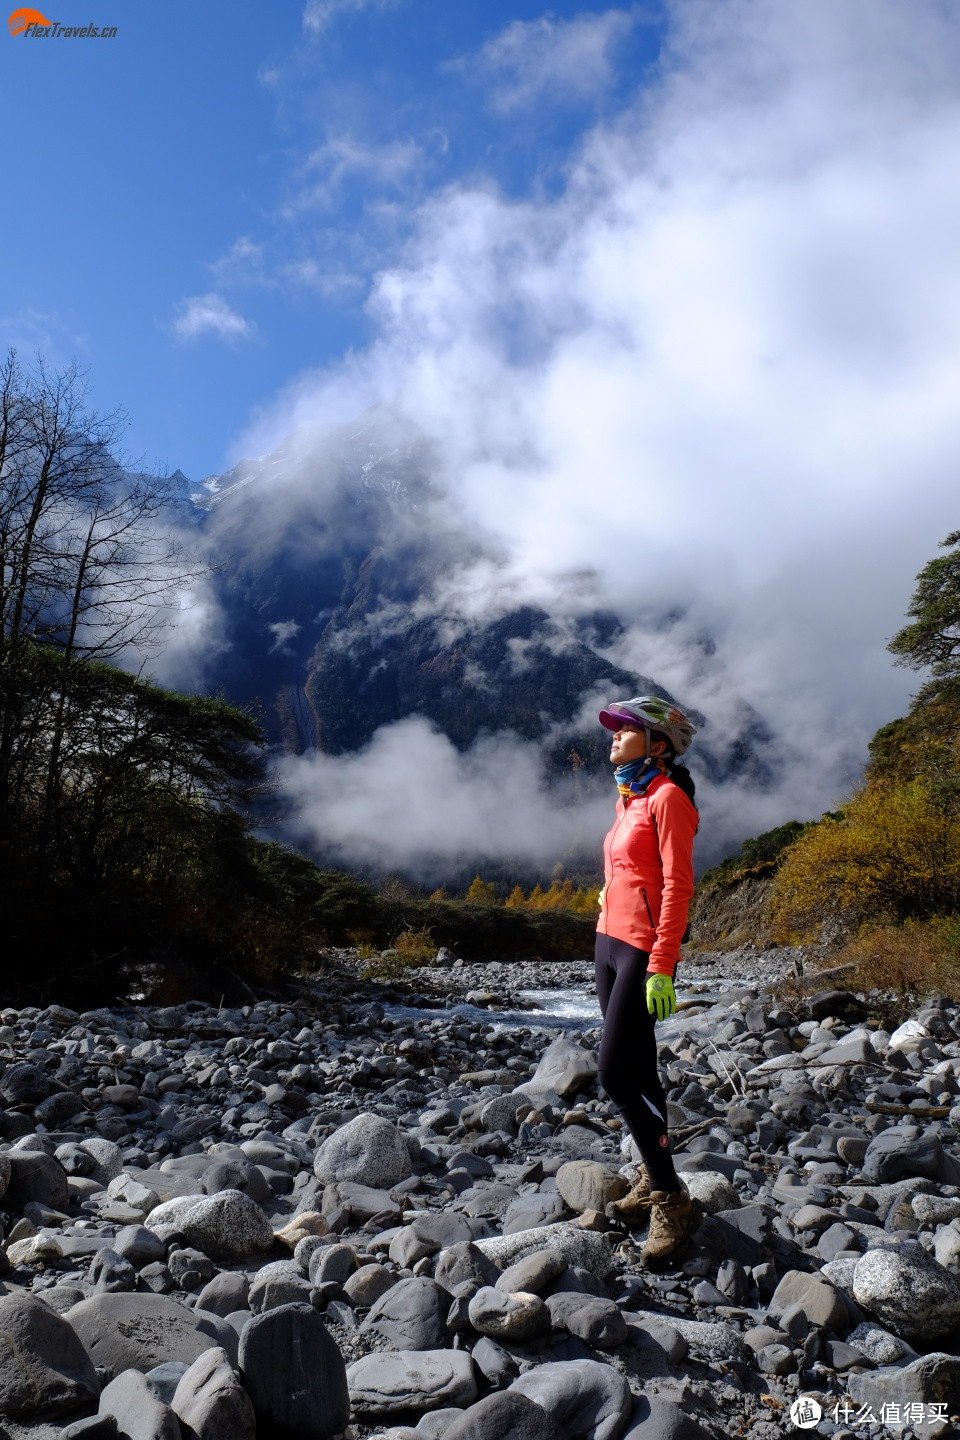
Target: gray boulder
[(593, 1320), (505, 1416), (822, 1304), (565, 1068), (368, 1150), (935, 1209), (138, 1410), (24, 1084), (512, 1318), (282, 1282), (891, 1156), (44, 1369), (711, 1340), (877, 1344), (294, 1373), (909, 1293), (531, 1212), (139, 1331), (411, 1315), (35, 1176), (500, 1113), (532, 1273), (934, 1377), (655, 1337), (657, 1418), (588, 1400), (224, 1294), (713, 1190), (411, 1381), (236, 1174), (466, 1262), (365, 1286), (587, 1185), (358, 1203), (428, 1235), (226, 1226), (111, 1272), (140, 1246), (106, 1156), (497, 1366), (331, 1263), (210, 1402), (583, 1248), (96, 1427), (166, 1378)]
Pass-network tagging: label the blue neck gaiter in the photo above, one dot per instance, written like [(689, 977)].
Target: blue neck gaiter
[(634, 777)]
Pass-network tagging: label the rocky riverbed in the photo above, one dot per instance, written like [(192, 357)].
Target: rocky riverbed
[(325, 1216)]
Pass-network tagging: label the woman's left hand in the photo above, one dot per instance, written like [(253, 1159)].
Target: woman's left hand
[(661, 996)]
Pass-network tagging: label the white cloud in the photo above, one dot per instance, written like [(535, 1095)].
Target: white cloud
[(554, 60), (318, 14), (491, 803), (210, 315), (343, 157), (327, 280), (193, 643), (45, 332), (283, 631), (720, 370), (243, 262)]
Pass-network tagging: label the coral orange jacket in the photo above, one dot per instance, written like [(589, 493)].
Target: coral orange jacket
[(648, 872)]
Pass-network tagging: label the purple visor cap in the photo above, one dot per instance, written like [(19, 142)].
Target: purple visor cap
[(619, 715)]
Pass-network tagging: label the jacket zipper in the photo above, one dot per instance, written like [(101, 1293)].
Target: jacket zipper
[(612, 875), (647, 905)]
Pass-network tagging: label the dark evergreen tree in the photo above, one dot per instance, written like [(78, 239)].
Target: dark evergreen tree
[(932, 639)]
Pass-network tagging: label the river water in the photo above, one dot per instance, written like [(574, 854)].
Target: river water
[(564, 1010)]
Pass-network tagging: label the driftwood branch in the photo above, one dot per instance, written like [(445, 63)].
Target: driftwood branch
[(817, 979), (926, 1112), (680, 1134)]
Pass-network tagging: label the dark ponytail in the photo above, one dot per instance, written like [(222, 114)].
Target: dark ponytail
[(682, 778)]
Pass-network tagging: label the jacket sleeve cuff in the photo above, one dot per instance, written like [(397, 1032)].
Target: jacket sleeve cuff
[(660, 965)]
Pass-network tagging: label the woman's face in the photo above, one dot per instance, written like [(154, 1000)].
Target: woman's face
[(629, 743)]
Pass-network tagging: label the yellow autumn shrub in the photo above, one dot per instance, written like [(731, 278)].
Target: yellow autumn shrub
[(892, 855), (481, 892), (913, 958), (562, 895)]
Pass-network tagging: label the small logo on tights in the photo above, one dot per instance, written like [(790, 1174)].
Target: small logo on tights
[(664, 1141)]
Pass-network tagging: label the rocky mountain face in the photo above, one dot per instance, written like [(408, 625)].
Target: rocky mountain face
[(343, 582), (336, 622), (724, 916)]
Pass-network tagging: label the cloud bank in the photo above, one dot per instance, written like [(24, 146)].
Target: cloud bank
[(718, 371), (410, 801)]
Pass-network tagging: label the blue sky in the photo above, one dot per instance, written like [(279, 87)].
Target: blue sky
[(672, 294), (202, 200)]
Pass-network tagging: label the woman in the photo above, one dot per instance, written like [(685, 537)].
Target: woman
[(648, 882)]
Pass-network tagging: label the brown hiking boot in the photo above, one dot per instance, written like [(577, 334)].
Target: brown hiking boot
[(674, 1215), (635, 1203)]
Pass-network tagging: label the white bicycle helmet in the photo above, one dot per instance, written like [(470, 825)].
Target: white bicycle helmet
[(653, 714)]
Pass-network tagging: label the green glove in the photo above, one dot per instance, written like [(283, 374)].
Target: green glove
[(661, 996)]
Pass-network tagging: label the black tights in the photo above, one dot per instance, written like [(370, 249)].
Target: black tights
[(628, 1055)]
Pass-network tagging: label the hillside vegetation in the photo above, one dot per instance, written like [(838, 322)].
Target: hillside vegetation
[(732, 901), (881, 878)]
